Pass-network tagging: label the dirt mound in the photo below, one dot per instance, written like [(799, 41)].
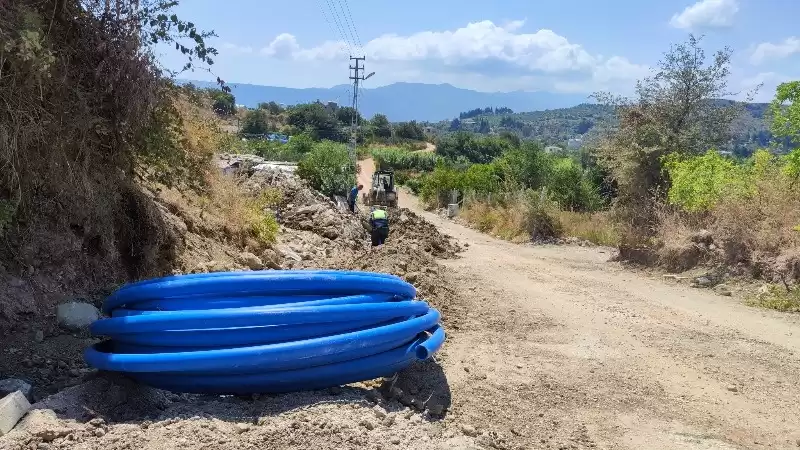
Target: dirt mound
[(407, 226)]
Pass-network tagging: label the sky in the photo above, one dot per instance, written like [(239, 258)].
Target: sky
[(575, 46)]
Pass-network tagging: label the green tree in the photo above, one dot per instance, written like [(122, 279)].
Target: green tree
[(785, 123), (316, 120), (328, 168), (255, 122), (409, 130), (272, 107), (223, 103), (381, 127), (346, 114), (675, 111)]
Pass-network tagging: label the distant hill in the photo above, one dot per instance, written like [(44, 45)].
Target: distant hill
[(559, 126), (404, 101)]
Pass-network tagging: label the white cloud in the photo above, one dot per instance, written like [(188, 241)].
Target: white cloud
[(233, 48), (706, 13), (769, 51), (283, 46), (768, 82), (482, 54)]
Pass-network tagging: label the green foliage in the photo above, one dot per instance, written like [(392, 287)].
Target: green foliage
[(467, 146), (785, 110), (328, 168), (262, 224), (346, 114), (165, 155), (301, 143), (438, 184), (568, 185), (256, 121), (482, 178), (273, 151), (381, 127), (271, 107), (778, 298), (528, 166), (699, 182), (792, 164), (316, 120), (397, 159), (409, 130), (223, 103)]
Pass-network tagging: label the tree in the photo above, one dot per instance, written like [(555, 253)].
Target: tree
[(483, 127), (255, 122), (675, 111), (455, 125), (316, 120), (272, 107), (328, 168), (223, 103), (785, 123), (409, 130), (380, 126), (346, 114)]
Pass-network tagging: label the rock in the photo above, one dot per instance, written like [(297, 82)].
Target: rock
[(12, 408), (412, 277), (271, 259), (250, 261), (469, 430), (99, 432), (242, 428), (723, 289), (388, 420), (380, 413), (76, 316), (732, 388), (367, 424), (703, 282), (435, 409), (11, 385), (38, 336), (288, 253)]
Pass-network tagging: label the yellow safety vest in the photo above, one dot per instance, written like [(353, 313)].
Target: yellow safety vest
[(378, 214)]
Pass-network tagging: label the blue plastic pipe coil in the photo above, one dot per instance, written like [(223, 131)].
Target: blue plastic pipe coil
[(264, 331)]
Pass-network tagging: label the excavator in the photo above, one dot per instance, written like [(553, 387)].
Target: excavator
[(382, 192)]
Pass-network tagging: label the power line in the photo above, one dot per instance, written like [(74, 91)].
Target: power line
[(342, 34), (354, 25), (350, 26)]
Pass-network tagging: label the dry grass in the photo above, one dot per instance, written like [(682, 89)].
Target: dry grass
[(505, 222), (518, 217), (598, 228)]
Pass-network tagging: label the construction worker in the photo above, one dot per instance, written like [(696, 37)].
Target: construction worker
[(353, 196), (379, 221)]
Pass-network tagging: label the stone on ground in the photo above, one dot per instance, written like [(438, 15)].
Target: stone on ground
[(12, 408), (76, 316)]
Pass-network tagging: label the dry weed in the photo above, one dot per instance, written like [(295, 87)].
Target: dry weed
[(598, 228)]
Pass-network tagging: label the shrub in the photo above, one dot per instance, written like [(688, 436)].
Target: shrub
[(571, 187), (598, 228), (397, 159), (328, 168), (699, 182)]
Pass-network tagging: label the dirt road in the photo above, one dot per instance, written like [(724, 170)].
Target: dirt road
[(562, 349)]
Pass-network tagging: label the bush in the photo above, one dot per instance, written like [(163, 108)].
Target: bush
[(397, 159), (328, 168), (699, 182), (571, 187)]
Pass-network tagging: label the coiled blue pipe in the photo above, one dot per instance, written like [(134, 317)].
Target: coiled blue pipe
[(264, 331)]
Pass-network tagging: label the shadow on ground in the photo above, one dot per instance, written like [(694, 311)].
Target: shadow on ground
[(422, 388)]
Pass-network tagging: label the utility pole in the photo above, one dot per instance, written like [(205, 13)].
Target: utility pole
[(358, 75)]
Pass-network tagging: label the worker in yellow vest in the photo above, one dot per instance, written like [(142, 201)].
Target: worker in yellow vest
[(379, 221)]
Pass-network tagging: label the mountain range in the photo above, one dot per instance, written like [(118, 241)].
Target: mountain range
[(403, 101)]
